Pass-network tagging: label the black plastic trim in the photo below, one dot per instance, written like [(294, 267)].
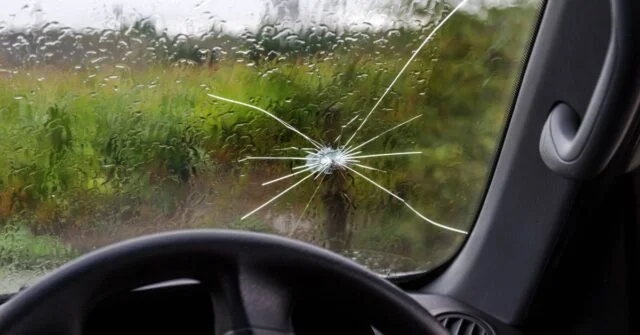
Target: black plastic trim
[(582, 148), (439, 305)]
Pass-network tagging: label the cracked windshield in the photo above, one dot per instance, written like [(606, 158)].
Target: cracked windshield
[(366, 127)]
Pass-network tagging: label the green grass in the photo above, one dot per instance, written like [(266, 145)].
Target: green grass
[(21, 250)]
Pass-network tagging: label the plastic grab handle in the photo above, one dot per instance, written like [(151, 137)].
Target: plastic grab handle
[(581, 149)]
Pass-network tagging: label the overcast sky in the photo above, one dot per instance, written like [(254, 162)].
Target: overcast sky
[(185, 16)]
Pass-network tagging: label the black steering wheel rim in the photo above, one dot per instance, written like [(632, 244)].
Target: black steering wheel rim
[(250, 277)]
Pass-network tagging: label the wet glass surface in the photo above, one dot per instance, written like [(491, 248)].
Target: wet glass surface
[(366, 127)]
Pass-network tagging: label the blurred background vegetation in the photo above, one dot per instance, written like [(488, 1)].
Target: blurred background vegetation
[(107, 134)]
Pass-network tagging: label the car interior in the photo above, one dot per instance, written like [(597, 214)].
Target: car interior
[(554, 247)]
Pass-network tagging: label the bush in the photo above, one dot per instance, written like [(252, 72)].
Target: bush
[(22, 250)]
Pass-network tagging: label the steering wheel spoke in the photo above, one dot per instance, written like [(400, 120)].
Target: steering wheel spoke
[(246, 298)]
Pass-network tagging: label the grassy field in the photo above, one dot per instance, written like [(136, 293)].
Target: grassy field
[(94, 154)]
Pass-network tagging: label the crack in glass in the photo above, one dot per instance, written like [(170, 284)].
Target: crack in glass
[(328, 158)]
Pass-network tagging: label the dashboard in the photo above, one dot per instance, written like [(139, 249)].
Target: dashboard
[(186, 308)]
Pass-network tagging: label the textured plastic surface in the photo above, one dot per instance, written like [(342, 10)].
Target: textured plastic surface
[(440, 305), (581, 149)]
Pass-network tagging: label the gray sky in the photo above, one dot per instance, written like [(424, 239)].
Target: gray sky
[(186, 16)]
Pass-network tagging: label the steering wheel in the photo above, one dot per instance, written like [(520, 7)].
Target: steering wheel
[(253, 280)]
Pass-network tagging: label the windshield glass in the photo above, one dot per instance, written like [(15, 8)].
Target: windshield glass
[(365, 127)]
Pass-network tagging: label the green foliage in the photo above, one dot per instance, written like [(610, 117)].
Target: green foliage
[(20, 249)]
